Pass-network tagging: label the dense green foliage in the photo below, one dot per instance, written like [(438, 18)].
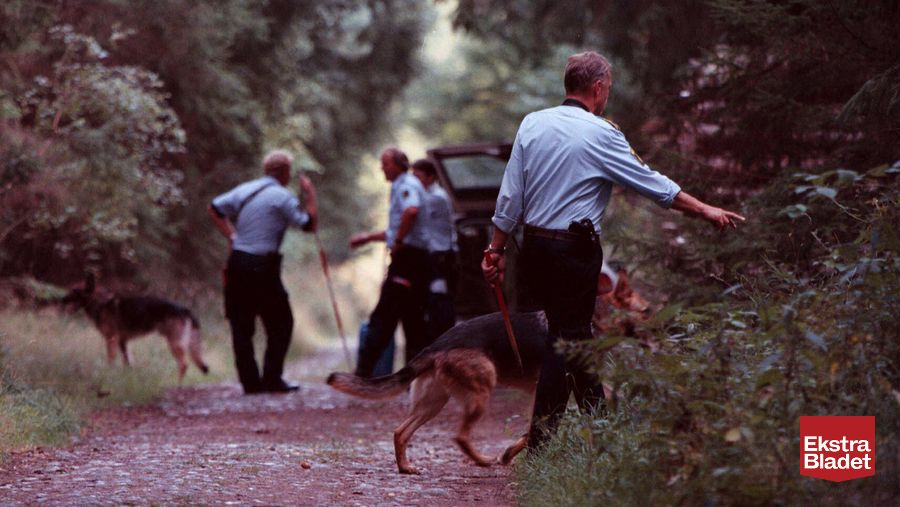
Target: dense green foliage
[(753, 104), (709, 393), (119, 120), (736, 89)]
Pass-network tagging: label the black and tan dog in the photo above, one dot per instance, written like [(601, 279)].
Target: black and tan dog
[(122, 318), (466, 363)]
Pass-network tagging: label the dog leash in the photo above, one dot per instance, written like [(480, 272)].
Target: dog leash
[(501, 302)]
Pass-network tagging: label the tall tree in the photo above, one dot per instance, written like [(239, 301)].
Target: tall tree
[(215, 82), (738, 89)]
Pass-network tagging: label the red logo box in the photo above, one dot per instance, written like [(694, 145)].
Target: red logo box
[(837, 448)]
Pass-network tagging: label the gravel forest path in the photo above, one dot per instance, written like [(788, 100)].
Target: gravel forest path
[(211, 445)]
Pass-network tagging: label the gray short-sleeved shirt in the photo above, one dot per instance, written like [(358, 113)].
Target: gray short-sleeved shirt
[(563, 165), (264, 218), (406, 192), (438, 220)]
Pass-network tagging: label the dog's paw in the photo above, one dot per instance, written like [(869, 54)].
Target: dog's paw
[(409, 470), (507, 456)]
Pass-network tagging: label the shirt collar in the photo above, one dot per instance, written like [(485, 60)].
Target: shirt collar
[(575, 103)]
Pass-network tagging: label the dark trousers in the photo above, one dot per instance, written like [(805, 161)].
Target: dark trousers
[(253, 288), (440, 312), (403, 298), (561, 275)]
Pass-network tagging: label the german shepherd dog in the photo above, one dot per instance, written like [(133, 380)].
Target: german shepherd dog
[(121, 318), (466, 363)]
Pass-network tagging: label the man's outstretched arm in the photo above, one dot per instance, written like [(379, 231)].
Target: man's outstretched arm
[(691, 206)]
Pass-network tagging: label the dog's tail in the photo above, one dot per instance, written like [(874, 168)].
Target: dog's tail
[(381, 387)]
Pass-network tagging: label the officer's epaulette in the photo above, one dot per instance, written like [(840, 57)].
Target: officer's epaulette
[(611, 123)]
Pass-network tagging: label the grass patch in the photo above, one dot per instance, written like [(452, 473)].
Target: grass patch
[(34, 416), (53, 367), (53, 371)]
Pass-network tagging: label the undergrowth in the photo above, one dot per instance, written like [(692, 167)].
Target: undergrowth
[(795, 314)]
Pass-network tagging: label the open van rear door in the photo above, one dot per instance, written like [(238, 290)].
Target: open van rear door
[(471, 174)]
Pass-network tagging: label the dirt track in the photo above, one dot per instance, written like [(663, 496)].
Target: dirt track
[(212, 445)]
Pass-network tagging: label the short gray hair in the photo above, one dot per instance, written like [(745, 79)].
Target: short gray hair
[(277, 160), (583, 69), (398, 157)]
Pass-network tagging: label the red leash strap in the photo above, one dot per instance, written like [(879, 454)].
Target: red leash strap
[(337, 315), (501, 302)]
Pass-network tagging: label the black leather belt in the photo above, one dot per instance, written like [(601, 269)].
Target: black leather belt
[(557, 234), (531, 230)]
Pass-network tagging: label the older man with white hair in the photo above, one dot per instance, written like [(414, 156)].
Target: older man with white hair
[(254, 217)]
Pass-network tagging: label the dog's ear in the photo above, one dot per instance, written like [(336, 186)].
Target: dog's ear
[(89, 284)]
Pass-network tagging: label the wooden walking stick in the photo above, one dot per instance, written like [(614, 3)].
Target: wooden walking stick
[(501, 302), (323, 259)]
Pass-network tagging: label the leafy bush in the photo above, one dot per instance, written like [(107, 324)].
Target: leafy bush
[(709, 395), (100, 176)]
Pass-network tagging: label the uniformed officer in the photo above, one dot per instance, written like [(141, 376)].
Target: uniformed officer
[(254, 217), (438, 225), (404, 291), (558, 182)]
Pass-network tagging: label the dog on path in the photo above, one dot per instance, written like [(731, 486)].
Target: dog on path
[(122, 318), (466, 363)]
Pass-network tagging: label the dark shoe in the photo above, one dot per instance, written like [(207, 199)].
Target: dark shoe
[(279, 386), (256, 389)]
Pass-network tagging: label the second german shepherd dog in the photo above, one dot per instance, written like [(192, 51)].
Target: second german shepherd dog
[(121, 318), (466, 363)]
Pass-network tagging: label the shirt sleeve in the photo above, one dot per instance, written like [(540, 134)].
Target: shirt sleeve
[(410, 197), (622, 166), (290, 207), (444, 200), (226, 204), (510, 201), (454, 240)]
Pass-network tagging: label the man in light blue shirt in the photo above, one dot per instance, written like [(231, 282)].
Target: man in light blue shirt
[(404, 291), (437, 221), (254, 217), (557, 183)]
